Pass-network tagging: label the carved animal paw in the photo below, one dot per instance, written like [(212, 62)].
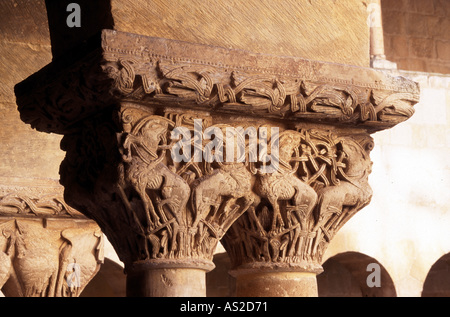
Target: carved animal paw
[(262, 233), (277, 230)]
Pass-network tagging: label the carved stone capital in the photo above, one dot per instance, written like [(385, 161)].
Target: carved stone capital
[(47, 248), (172, 146), (152, 206), (322, 182)]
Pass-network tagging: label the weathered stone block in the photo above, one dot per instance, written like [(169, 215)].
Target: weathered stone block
[(443, 49), (285, 27), (422, 47)]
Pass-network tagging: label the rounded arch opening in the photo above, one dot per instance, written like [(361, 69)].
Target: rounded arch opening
[(219, 283), (347, 274), (437, 282), (110, 281)]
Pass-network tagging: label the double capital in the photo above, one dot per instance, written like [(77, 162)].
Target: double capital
[(129, 104)]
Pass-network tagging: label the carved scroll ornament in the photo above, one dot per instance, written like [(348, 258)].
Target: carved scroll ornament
[(13, 203), (209, 87)]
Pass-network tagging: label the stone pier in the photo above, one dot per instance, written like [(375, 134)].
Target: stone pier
[(172, 146)]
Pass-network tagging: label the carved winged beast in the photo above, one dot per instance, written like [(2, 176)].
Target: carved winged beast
[(352, 190), (285, 185), (230, 181)]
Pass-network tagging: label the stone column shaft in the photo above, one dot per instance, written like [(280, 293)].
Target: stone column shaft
[(276, 284), (376, 29), (150, 279)]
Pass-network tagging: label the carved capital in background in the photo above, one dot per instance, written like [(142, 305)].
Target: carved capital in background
[(47, 248), (127, 106)]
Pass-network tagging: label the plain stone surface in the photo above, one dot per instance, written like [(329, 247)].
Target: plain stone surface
[(277, 284), (305, 29), (171, 282), (24, 49), (416, 34), (295, 28)]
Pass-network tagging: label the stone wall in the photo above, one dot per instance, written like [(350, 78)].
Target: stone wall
[(309, 29), (24, 49), (416, 34), (406, 224)]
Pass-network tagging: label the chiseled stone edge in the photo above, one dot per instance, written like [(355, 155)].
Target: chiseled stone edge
[(35, 198), (56, 98)]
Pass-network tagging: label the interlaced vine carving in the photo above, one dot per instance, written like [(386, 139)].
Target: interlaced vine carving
[(323, 182), (178, 210)]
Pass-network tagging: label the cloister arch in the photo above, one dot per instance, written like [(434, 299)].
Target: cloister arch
[(437, 282), (110, 281), (345, 275)]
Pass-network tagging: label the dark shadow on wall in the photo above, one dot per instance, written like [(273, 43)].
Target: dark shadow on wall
[(94, 16)]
